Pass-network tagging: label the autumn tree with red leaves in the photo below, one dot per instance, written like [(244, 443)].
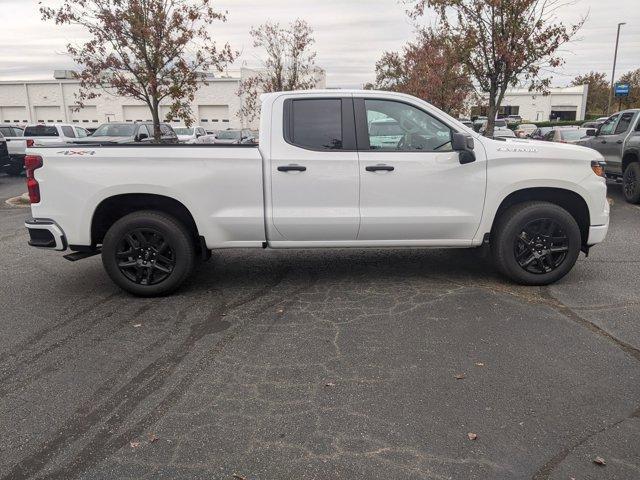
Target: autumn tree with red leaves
[(289, 63), (151, 50), (502, 42), (428, 68), (597, 93)]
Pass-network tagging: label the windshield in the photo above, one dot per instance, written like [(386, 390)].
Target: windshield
[(115, 130), (183, 130), (229, 135), (571, 135)]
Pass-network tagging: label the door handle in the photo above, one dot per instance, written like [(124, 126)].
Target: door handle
[(376, 168), (292, 168)]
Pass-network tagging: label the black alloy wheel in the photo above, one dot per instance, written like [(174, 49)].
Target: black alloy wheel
[(541, 246), (145, 257)]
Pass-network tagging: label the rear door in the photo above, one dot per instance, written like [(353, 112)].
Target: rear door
[(314, 170), (415, 191)]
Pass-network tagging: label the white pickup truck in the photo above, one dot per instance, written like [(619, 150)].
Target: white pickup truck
[(319, 178)]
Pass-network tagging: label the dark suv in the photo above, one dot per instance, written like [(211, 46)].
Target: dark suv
[(131, 132)]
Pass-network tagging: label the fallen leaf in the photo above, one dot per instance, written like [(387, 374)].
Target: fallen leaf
[(460, 376), (479, 364), (599, 461), (280, 310), (137, 325), (134, 444), (472, 436), (330, 384), (153, 438), (239, 477)]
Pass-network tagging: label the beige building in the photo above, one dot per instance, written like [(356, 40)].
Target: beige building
[(216, 105)]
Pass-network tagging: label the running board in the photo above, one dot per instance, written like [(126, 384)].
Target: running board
[(75, 256)]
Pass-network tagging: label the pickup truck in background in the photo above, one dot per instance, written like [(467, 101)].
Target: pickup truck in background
[(16, 146), (320, 178), (618, 140), (54, 133), (130, 132)]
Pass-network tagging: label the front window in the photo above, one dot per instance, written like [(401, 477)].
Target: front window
[(624, 123), (397, 126), (573, 135), (183, 131), (115, 130)]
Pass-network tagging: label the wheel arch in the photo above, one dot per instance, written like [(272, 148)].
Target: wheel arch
[(571, 201), (628, 158), (113, 208)]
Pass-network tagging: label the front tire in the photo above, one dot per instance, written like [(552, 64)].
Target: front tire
[(148, 253), (631, 183), (536, 243)]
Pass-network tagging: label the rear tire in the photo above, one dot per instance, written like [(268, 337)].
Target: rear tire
[(148, 253), (631, 183), (536, 243)]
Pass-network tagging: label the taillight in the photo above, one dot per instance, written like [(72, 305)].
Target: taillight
[(598, 168), (32, 163), (30, 143)]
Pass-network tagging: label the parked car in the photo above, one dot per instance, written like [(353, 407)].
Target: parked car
[(6, 165), (618, 140), (467, 123), (16, 145), (478, 122), (193, 134), (316, 181), (44, 133), (540, 132), (503, 133), (592, 124), (232, 137), (500, 123), (130, 132), (566, 135), (525, 130), (513, 119)]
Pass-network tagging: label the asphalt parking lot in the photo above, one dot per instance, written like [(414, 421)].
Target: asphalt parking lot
[(350, 364)]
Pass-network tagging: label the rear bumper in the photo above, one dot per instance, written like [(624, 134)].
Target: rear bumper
[(45, 233)]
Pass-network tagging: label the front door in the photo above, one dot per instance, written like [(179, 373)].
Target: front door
[(412, 186), (314, 172), (610, 139)]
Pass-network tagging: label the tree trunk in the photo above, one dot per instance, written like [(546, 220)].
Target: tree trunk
[(491, 114), (155, 114)]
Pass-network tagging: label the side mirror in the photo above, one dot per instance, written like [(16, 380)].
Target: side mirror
[(461, 142), (198, 135), (591, 132), (142, 136)]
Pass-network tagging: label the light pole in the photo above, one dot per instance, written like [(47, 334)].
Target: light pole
[(613, 74)]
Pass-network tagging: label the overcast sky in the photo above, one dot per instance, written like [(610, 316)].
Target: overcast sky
[(350, 36)]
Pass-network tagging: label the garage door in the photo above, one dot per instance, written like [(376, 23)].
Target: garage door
[(213, 115), (13, 115), (48, 114), (86, 114), (136, 113)]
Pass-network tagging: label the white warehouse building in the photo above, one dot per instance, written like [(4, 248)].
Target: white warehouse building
[(569, 103), (216, 105)]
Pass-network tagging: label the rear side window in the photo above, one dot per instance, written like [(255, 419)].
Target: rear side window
[(41, 131), (316, 124), (166, 130), (6, 131), (68, 132)]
